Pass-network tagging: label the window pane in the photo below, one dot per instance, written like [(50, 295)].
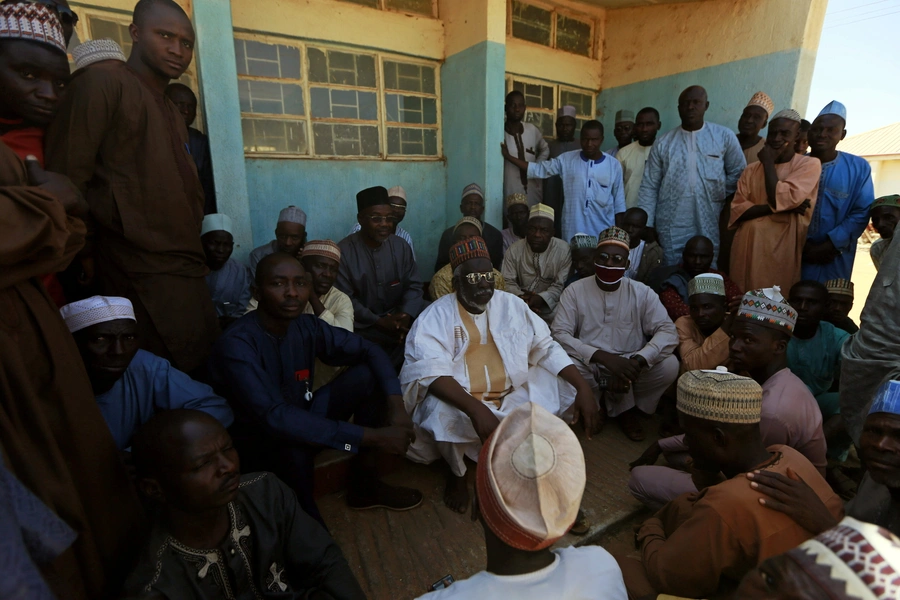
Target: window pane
[(419, 7), (267, 60), (369, 3), (531, 23), (583, 103), (270, 97), (573, 35), (408, 78), (342, 68), (118, 32), (410, 109), (536, 95), (318, 65), (269, 135), (337, 139), (542, 121), (343, 104), (411, 142)]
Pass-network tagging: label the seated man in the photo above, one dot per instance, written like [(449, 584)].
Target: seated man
[(379, 274), (442, 282), (671, 282), (526, 498), (582, 247), (878, 498), (131, 385), (885, 213), (471, 358), (472, 205), (290, 235), (701, 544), (228, 280), (537, 267), (759, 338), (265, 365), (840, 301), (618, 335), (852, 560), (517, 215), (218, 534), (704, 335), (644, 256), (397, 197)]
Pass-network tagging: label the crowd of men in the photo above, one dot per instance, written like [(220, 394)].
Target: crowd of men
[(702, 275)]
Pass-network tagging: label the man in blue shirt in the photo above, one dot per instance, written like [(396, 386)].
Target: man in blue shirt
[(265, 365), (131, 385)]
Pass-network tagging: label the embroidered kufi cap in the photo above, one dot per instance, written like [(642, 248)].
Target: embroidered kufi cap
[(530, 478), (624, 116), (473, 247), (707, 283), (540, 211), (842, 287), (472, 188), (787, 113), (516, 199), (469, 221), (96, 309), (583, 240), (762, 100), (892, 200), (325, 248), (887, 398), (34, 22), (93, 51), (216, 222), (719, 396), (834, 108), (768, 307), (614, 235), (852, 560), (292, 214), (397, 192), (566, 111)]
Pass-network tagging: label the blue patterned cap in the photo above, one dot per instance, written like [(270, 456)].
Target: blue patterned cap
[(834, 108), (887, 399)]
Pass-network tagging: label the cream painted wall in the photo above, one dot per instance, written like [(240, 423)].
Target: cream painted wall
[(533, 60), (885, 174), (469, 22)]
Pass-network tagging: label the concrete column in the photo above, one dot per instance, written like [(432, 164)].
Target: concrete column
[(214, 55)]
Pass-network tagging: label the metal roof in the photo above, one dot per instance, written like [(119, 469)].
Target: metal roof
[(881, 141)]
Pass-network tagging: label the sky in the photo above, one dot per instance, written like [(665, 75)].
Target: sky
[(858, 63)]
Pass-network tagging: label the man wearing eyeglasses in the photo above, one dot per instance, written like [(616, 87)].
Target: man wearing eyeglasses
[(619, 336), (472, 357), (397, 197), (379, 273)]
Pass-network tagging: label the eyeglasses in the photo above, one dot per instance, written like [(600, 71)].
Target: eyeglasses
[(474, 278), (376, 219), (616, 259)]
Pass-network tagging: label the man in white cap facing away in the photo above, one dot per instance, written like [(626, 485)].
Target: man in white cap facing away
[(290, 235), (529, 483), (623, 131), (228, 280), (566, 124), (845, 195), (95, 52), (753, 119), (130, 384), (397, 198)]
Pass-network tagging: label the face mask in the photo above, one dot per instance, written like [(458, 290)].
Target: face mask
[(609, 275)]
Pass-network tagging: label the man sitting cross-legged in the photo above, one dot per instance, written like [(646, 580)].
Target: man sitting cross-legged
[(218, 534), (703, 543), (472, 357), (265, 365), (618, 335), (759, 337), (704, 335), (228, 280), (840, 302), (582, 247), (529, 482), (442, 282), (131, 385)]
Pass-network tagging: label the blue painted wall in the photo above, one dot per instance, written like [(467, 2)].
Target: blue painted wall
[(728, 86), (326, 190)]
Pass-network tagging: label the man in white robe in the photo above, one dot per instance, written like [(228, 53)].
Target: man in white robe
[(690, 172), (525, 142), (471, 358)]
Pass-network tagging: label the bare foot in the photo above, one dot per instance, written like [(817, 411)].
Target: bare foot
[(456, 493)]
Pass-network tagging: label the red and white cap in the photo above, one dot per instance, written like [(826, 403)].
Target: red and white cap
[(34, 22)]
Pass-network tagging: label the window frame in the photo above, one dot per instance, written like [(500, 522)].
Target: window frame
[(558, 89), (382, 5), (555, 13), (380, 91)]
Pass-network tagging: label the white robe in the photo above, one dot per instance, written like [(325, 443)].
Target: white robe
[(436, 347)]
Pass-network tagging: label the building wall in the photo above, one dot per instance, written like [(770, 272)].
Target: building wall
[(885, 174)]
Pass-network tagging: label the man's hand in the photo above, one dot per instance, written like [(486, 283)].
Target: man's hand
[(536, 303), (59, 185), (504, 150), (821, 253), (403, 320), (733, 306), (618, 366), (766, 154), (390, 439), (390, 325), (802, 208), (792, 496), (586, 409), (484, 421), (649, 457)]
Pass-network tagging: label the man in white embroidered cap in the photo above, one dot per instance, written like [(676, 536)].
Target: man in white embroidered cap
[(228, 280), (130, 384), (528, 488), (290, 236)]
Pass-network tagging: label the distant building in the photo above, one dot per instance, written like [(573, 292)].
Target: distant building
[(881, 148)]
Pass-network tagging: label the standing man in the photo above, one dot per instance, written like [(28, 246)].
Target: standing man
[(472, 205), (591, 179), (771, 209), (845, 196), (528, 146), (517, 215), (753, 119), (198, 142), (565, 142), (690, 173), (633, 157), (623, 131), (124, 145), (397, 196), (290, 236)]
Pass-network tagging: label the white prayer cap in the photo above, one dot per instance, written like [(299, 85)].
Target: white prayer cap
[(216, 222), (96, 309), (787, 113), (292, 214), (566, 111), (93, 51), (397, 191), (834, 108)]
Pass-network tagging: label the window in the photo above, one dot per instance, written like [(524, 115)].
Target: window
[(310, 100), (544, 98), (427, 8), (551, 28)]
